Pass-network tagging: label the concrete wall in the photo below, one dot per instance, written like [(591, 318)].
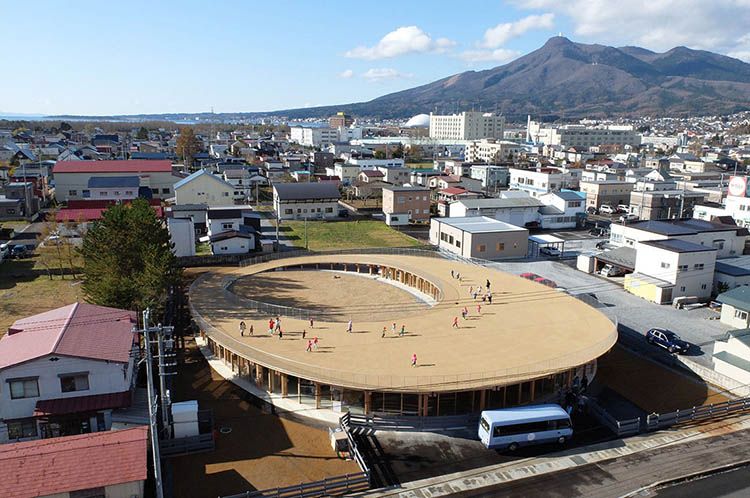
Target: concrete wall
[(728, 317), (498, 245), (236, 245), (182, 235)]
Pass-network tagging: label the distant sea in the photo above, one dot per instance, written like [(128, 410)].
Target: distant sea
[(41, 117)]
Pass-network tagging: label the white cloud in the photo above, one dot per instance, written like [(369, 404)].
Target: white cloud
[(346, 74), (496, 55), (717, 25), (499, 35), (384, 73), (401, 41)]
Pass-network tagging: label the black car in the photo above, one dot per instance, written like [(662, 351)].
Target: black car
[(668, 340)]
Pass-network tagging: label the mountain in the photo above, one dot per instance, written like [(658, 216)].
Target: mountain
[(567, 79), (562, 79)]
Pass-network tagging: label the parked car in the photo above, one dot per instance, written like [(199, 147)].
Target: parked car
[(606, 209), (592, 210), (628, 217), (546, 281), (4, 251), (611, 271), (601, 245), (19, 252), (667, 340), (551, 251), (529, 276), (623, 208)]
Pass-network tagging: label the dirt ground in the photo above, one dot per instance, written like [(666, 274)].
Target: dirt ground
[(332, 292), (651, 386), (262, 451)]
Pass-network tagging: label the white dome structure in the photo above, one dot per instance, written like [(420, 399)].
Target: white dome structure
[(418, 121)]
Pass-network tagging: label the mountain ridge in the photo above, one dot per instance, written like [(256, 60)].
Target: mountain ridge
[(565, 79)]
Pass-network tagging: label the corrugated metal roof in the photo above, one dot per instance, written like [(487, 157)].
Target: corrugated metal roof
[(739, 297), (82, 330), (80, 404), (114, 182), (71, 463), (129, 166)]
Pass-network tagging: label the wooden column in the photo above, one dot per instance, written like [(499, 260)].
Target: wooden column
[(299, 390), (482, 399), (284, 386), (317, 395), (271, 376), (368, 402), (520, 389), (533, 388)]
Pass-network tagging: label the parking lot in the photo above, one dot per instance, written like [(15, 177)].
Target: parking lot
[(633, 315)]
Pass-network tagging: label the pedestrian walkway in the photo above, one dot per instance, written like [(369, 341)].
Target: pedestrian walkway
[(288, 405), (504, 476)]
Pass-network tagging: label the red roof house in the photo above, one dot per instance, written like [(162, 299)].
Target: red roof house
[(114, 461)]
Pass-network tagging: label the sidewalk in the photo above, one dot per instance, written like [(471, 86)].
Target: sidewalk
[(606, 469)]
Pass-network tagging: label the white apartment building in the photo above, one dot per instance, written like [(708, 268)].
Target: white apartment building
[(490, 150), (313, 137), (469, 125), (543, 180), (583, 136)]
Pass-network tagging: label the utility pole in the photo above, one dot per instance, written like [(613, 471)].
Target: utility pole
[(163, 374), (152, 400)]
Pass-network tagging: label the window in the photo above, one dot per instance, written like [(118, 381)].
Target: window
[(458, 243), (225, 194), (719, 244), (288, 211), (481, 247), (24, 388), (72, 192), (665, 265), (681, 268), (10, 211), (703, 286), (329, 210), (18, 429), (227, 226), (500, 246), (699, 266), (86, 193), (74, 382), (742, 315), (165, 190), (682, 289)]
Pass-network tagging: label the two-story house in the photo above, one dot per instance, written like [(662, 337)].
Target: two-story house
[(62, 372), (204, 188)]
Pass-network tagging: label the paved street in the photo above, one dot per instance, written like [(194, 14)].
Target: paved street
[(731, 484), (634, 315)]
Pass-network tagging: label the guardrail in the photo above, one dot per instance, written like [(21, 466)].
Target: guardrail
[(657, 421), (345, 424), (621, 428), (412, 424), (330, 486)]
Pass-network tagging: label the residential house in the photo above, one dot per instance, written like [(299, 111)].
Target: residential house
[(563, 209), (728, 240), (65, 371), (664, 204), (735, 307), (116, 188), (11, 209), (203, 187), (610, 192), (479, 237), (111, 464), (518, 211), (732, 356), (294, 201), (395, 175), (23, 191), (543, 180), (672, 268), (493, 177), (72, 177), (404, 205)]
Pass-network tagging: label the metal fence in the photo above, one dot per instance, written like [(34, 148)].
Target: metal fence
[(657, 421), (425, 251), (192, 444), (345, 424), (621, 428), (330, 486), (414, 424)]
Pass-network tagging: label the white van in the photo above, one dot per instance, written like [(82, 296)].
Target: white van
[(525, 425), (606, 209)]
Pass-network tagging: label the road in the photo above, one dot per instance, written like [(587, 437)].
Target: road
[(731, 484), (634, 315), (621, 476)]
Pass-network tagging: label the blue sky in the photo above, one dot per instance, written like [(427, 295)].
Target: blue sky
[(85, 57)]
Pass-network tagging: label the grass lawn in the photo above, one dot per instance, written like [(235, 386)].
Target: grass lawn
[(22, 293), (323, 235), (421, 165)]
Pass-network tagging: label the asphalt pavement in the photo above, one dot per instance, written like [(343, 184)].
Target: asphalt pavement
[(731, 484), (633, 315)]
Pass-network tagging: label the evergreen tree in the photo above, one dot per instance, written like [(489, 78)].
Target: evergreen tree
[(128, 261)]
